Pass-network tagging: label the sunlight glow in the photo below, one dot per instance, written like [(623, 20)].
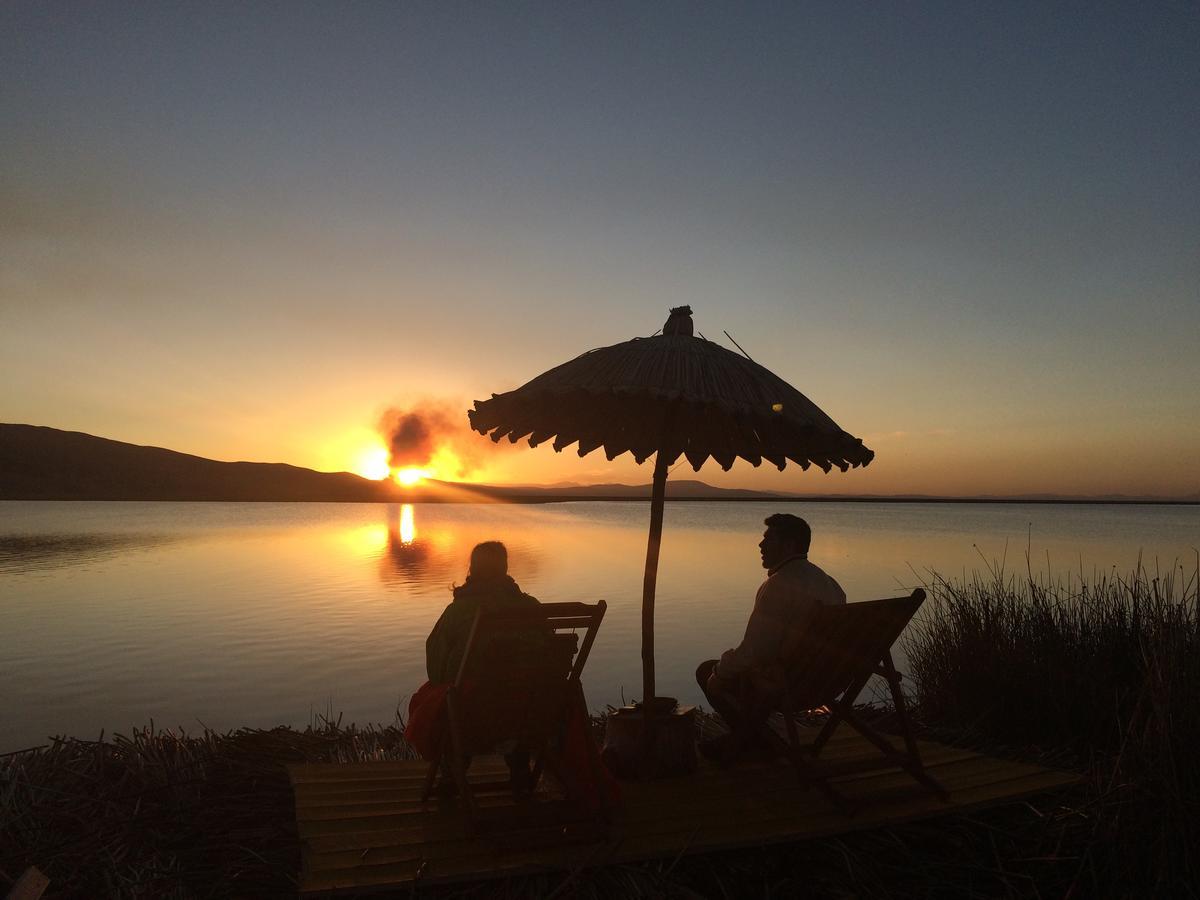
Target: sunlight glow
[(447, 465), (411, 476), (373, 463)]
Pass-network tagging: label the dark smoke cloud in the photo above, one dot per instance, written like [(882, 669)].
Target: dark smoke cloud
[(414, 434)]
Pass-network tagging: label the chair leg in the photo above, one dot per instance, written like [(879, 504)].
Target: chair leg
[(804, 769), (893, 679), (539, 766), (910, 741), (431, 775), (577, 706), (837, 713), (458, 758), (909, 763), (826, 731), (789, 723)]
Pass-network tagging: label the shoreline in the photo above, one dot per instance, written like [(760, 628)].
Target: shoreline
[(532, 501)]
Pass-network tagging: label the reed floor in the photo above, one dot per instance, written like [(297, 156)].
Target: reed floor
[(362, 824)]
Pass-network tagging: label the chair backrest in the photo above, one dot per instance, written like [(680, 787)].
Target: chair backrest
[(520, 666), (831, 647)]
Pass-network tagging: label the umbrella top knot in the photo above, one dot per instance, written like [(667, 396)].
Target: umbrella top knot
[(679, 322)]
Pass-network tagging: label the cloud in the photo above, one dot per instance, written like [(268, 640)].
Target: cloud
[(417, 434)]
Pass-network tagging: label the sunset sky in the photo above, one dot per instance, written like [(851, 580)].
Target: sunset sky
[(968, 232)]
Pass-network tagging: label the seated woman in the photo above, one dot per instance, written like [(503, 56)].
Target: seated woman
[(488, 585)]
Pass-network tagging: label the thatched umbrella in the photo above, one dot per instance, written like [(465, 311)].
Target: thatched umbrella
[(665, 396)]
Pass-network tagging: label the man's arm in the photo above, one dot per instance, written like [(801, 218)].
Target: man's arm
[(764, 631)]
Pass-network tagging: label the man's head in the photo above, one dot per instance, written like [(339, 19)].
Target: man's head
[(489, 560), (786, 536)]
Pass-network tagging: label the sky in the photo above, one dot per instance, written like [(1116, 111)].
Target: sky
[(969, 232)]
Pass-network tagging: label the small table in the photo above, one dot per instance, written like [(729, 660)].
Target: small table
[(673, 751)]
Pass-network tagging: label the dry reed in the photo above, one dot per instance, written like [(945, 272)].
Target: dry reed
[(1101, 670), (161, 813)]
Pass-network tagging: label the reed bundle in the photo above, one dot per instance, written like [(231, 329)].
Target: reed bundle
[(1102, 670)]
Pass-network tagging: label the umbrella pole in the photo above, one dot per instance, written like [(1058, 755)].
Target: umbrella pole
[(657, 498)]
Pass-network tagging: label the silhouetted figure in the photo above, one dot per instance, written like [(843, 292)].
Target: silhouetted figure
[(734, 685), (488, 585)]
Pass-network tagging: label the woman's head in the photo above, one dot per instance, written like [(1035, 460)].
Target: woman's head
[(489, 560)]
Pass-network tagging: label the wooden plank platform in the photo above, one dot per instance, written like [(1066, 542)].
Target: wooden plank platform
[(362, 824)]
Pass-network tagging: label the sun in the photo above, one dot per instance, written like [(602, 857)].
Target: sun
[(410, 476)]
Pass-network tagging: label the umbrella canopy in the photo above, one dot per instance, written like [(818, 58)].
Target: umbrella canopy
[(669, 395)]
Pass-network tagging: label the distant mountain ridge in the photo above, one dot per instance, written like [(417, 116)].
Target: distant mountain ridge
[(680, 489), (42, 463)]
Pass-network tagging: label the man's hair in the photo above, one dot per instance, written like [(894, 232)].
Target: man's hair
[(790, 528), (489, 560)]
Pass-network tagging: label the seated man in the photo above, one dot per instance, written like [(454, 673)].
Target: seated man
[(734, 684), (487, 584)]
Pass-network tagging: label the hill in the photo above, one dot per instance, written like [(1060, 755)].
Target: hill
[(40, 463)]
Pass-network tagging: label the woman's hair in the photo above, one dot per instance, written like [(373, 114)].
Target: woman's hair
[(489, 560)]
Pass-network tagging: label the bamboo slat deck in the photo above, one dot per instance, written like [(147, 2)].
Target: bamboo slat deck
[(362, 824)]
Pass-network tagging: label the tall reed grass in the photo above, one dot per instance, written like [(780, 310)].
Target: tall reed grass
[(1105, 671)]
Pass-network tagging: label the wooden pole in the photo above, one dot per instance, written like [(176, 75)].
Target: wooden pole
[(657, 498)]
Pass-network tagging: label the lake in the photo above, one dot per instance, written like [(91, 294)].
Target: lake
[(258, 614)]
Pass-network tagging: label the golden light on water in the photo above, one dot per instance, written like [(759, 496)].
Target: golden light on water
[(408, 528), (369, 540)]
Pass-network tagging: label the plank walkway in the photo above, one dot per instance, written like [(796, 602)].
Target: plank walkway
[(362, 824)]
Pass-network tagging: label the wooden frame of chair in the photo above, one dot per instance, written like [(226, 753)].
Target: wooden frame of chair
[(563, 620), (830, 656)]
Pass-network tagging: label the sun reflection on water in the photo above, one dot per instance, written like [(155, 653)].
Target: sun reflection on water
[(408, 528)]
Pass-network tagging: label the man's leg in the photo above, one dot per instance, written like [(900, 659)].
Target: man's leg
[(724, 748), (719, 702), (735, 703)]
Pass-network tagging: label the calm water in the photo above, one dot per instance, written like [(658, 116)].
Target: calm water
[(258, 614)]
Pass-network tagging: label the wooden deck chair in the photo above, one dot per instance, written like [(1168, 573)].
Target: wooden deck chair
[(504, 693), (828, 658)]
